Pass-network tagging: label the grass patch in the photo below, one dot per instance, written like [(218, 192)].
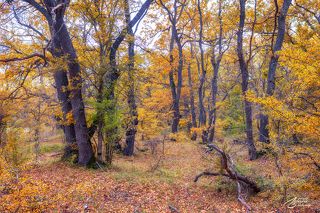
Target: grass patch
[(51, 147)]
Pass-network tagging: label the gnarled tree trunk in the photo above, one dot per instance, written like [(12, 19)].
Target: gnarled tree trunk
[(78, 111), (54, 13)]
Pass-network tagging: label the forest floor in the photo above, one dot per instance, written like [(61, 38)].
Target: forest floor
[(146, 182)]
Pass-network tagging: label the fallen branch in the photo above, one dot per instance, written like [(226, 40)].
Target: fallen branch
[(310, 157), (208, 174), (228, 166), (241, 199)]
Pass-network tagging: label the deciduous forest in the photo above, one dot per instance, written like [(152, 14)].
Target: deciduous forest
[(159, 106)]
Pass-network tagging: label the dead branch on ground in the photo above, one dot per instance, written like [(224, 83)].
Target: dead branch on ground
[(230, 172)]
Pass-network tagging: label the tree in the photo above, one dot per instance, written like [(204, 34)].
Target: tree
[(61, 45), (202, 112), (112, 76), (174, 17), (132, 128), (2, 130), (244, 84), (271, 83), (215, 61)]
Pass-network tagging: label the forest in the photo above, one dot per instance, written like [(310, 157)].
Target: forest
[(159, 106)]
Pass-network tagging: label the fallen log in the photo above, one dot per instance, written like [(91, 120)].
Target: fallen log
[(231, 173)]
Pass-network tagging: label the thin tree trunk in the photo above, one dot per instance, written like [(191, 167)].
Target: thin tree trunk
[(132, 129), (202, 112), (175, 89), (176, 106), (100, 122), (245, 79), (214, 92), (192, 106), (112, 77), (214, 81), (175, 101), (37, 135), (2, 131), (271, 83)]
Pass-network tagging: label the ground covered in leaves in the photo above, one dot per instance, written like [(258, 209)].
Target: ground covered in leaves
[(159, 182)]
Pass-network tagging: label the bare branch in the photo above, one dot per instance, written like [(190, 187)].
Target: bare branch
[(23, 58), (26, 25)]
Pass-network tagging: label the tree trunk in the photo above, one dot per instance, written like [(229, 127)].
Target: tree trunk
[(202, 112), (175, 90), (61, 82), (271, 83), (100, 121), (81, 129), (214, 92), (175, 101), (245, 78), (37, 143), (63, 93), (54, 13), (132, 129), (2, 131), (111, 80), (214, 81), (192, 107), (100, 141)]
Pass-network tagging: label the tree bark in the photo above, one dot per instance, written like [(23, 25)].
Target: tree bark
[(2, 131), (202, 112), (60, 76), (100, 121), (132, 129), (112, 77), (271, 83), (214, 93), (192, 106), (175, 89), (62, 87), (175, 100), (55, 15), (81, 129), (37, 132), (215, 61), (245, 79)]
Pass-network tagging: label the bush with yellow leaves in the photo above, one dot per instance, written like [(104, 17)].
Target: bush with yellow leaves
[(18, 193)]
